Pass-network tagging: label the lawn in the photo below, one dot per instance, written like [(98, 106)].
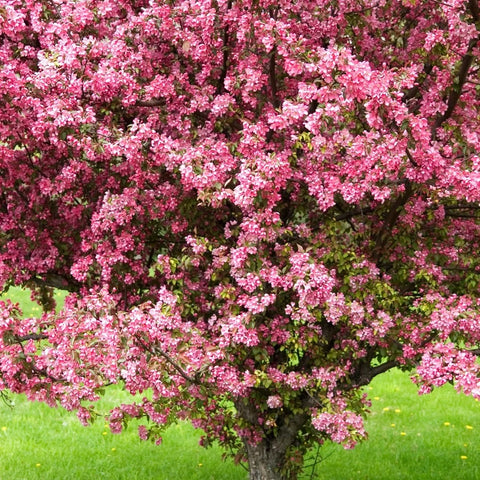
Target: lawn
[(411, 437), (435, 436)]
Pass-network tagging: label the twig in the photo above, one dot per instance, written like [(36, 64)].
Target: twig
[(155, 350)]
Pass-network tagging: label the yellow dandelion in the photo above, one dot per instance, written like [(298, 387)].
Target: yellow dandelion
[(392, 424), (200, 464), (4, 429), (463, 457), (447, 424), (397, 410), (104, 433), (38, 464), (468, 427), (376, 398), (114, 449), (403, 434), (386, 409)]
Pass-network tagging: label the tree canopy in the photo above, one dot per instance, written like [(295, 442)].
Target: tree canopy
[(256, 207)]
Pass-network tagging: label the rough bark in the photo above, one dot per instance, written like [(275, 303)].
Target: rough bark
[(263, 464), (267, 459)]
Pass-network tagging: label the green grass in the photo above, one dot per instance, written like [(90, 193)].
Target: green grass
[(37, 442), (411, 436), (22, 297), (414, 437)]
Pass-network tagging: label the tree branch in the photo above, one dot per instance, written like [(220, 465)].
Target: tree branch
[(153, 102), (226, 53), (392, 217), (354, 213), (31, 336), (412, 92), (10, 338), (272, 75), (456, 91), (288, 432), (461, 215), (175, 365), (462, 207), (155, 350), (367, 373), (56, 281), (474, 10)]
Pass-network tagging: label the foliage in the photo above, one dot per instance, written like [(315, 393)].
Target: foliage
[(257, 207)]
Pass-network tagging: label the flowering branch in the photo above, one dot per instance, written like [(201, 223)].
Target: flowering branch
[(155, 350)]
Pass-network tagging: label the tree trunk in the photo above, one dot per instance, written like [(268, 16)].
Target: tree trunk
[(263, 464), (267, 460)]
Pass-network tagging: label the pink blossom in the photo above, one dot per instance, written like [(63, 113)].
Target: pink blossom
[(340, 427), (252, 208), (274, 401), (143, 432)]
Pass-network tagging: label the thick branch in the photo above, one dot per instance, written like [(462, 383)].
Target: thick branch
[(392, 217), (11, 338), (367, 373), (153, 102), (462, 215), (31, 336), (456, 91), (288, 432), (474, 10), (394, 212), (56, 281), (272, 74), (462, 207), (458, 268), (354, 213), (412, 92), (312, 108), (226, 53), (410, 157)]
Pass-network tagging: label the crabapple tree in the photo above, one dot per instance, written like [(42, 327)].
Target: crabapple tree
[(256, 207)]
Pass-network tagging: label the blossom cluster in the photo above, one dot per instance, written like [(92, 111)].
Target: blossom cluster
[(255, 207)]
